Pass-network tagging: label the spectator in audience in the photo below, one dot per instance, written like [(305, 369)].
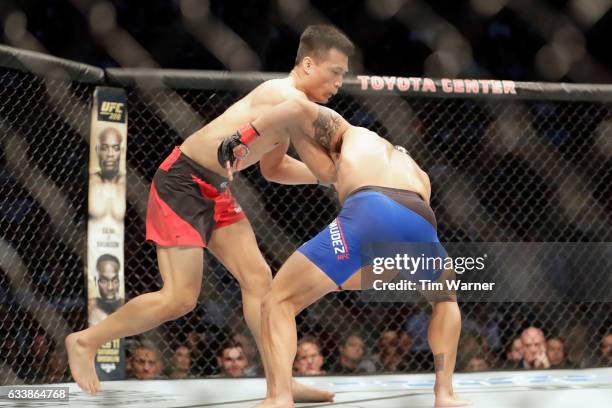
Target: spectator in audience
[(534, 349), (388, 338), (129, 347), (483, 320), (250, 351), (9, 352), (416, 327), (57, 367), (515, 354), (576, 344), (308, 359), (470, 343), (410, 360), (350, 359), (203, 359), (555, 350), (389, 356), (38, 358), (606, 351), (193, 340), (180, 363), (146, 361), (404, 343), (231, 360), (476, 362)]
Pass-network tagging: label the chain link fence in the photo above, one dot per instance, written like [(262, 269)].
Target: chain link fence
[(501, 170), (43, 176)]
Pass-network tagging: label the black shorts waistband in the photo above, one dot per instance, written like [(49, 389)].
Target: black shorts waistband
[(186, 166)]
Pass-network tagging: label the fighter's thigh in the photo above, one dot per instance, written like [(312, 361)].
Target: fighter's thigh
[(181, 268), (300, 282), (235, 246), (364, 278)]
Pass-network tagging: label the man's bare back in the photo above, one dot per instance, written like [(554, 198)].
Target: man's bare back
[(366, 159)]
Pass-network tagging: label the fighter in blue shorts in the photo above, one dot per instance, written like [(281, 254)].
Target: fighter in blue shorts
[(385, 197), (369, 215)]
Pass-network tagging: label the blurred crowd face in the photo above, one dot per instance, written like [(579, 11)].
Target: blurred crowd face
[(40, 346), (181, 359), (56, 366), (606, 347), (9, 349), (146, 364), (233, 362), (353, 349), (308, 360), (193, 340), (405, 342), (477, 364), (389, 339), (555, 351), (516, 351), (248, 347), (534, 344)]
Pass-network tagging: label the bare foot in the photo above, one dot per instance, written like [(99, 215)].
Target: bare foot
[(451, 401), (304, 393), (81, 361), (272, 403)]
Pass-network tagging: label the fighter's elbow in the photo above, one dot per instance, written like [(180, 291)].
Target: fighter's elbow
[(328, 177)]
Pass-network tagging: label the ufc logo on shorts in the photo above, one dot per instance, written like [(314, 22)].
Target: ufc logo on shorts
[(337, 240)]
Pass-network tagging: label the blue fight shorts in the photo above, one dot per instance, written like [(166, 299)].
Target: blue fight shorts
[(370, 214)]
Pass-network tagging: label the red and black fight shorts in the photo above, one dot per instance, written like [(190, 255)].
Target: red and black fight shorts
[(187, 202)]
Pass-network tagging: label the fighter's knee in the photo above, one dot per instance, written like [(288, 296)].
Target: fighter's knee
[(182, 307), (257, 280), (268, 302), (177, 305), (272, 301)]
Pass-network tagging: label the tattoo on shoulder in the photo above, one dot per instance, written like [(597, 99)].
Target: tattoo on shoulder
[(325, 126)]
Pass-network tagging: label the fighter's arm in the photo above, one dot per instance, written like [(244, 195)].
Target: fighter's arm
[(312, 129), (279, 167)]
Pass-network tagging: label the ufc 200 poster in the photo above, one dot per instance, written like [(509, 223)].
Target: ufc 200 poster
[(105, 227)]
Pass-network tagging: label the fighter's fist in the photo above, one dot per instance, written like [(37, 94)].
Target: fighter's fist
[(234, 149)]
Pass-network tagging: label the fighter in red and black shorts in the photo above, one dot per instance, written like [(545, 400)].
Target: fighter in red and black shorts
[(187, 202)]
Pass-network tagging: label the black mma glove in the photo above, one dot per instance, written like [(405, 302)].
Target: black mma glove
[(235, 147)]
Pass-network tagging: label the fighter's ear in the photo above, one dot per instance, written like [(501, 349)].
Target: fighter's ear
[(307, 63)]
